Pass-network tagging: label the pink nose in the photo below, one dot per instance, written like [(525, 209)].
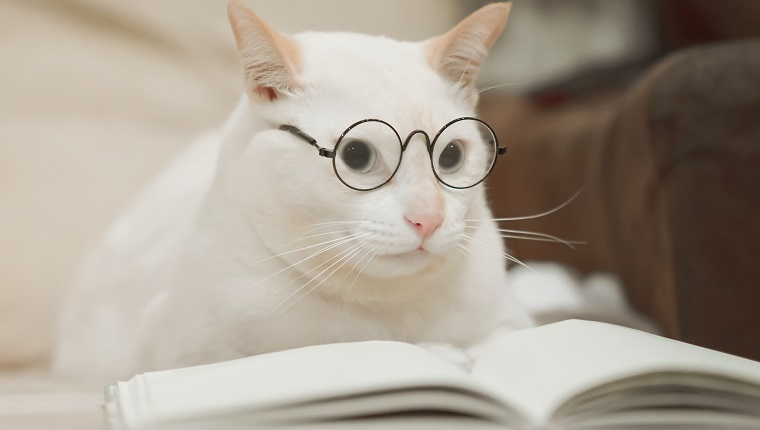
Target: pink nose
[(424, 224)]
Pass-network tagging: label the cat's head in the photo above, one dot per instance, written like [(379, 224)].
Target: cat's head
[(322, 83)]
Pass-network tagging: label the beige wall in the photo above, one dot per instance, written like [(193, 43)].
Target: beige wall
[(399, 19)]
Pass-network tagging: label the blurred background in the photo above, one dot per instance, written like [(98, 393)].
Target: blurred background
[(614, 97)]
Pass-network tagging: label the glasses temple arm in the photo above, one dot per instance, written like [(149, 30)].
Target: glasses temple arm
[(295, 131), (501, 150)]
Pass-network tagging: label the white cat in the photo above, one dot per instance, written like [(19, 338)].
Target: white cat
[(256, 240)]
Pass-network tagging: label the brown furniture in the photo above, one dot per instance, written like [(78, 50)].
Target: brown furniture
[(670, 172)]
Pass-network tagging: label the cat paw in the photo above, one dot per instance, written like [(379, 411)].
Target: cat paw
[(456, 356)]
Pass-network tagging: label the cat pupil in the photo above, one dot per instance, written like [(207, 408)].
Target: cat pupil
[(452, 157), (358, 155)]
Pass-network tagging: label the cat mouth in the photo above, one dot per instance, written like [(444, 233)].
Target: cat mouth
[(417, 253), (403, 263)]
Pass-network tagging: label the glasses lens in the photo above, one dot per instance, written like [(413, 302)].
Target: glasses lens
[(464, 153), (367, 154)]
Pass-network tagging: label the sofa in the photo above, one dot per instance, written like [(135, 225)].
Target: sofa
[(669, 177)]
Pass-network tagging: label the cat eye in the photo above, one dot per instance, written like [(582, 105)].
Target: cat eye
[(452, 157), (369, 152), (358, 155)]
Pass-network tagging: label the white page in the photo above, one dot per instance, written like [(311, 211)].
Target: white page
[(418, 403), (539, 369), (285, 377)]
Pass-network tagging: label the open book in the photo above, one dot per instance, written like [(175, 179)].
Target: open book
[(573, 374)]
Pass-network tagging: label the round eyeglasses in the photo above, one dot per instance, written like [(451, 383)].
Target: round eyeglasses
[(369, 152)]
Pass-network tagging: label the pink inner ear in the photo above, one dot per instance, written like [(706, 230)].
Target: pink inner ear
[(267, 93)]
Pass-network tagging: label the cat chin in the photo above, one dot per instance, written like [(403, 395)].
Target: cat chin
[(390, 266)]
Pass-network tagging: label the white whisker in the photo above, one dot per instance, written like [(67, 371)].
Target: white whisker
[(320, 226), (345, 251), (369, 254), (543, 235), (333, 223), (345, 256), (345, 259), (543, 239), (306, 273), (321, 251), (372, 251), (506, 255), (302, 237), (549, 212), (464, 250), (325, 249), (495, 86), (357, 264), (344, 239)]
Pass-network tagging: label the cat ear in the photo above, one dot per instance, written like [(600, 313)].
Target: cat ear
[(269, 59), (458, 54)]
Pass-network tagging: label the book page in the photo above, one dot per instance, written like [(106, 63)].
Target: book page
[(537, 370), (282, 378)]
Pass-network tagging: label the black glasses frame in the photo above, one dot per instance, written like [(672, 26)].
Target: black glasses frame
[(329, 153)]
